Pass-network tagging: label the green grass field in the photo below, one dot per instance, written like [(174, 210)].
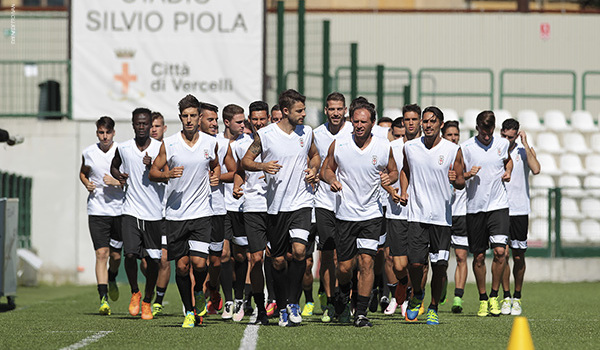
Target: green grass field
[(561, 316)]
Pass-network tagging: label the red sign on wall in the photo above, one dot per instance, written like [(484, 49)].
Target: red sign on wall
[(545, 31)]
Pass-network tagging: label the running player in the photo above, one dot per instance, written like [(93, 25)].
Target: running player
[(430, 164), (194, 167), (356, 167), (104, 206), (142, 209), (487, 206), (524, 162), (286, 148)]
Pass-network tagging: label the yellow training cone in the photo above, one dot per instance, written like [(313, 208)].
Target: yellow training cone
[(520, 336)]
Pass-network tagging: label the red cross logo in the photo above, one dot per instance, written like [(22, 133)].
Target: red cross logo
[(125, 77)]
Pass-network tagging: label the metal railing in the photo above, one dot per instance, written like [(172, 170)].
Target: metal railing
[(15, 186), (538, 72), (584, 93), (489, 94)]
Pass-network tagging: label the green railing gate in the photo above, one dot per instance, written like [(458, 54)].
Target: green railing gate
[(15, 186), (543, 72)]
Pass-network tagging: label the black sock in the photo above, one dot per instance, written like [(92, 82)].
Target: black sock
[(269, 278), (329, 300), (259, 300), (280, 285), (494, 293), (459, 292), (433, 307), (517, 295), (248, 295), (240, 278), (103, 291), (199, 277), (506, 294), (308, 295), (147, 299), (184, 284), (160, 294), (392, 288), (112, 276), (321, 287), (346, 288), (362, 302), (135, 290), (403, 280), (296, 269), (483, 296), (226, 278)]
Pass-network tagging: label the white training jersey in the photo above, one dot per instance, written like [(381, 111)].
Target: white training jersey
[(232, 204), (358, 172), (143, 198), (486, 191), (517, 189), (217, 199), (287, 190), (429, 186), (254, 187), (324, 198), (396, 210), (459, 202), (105, 200), (189, 195)]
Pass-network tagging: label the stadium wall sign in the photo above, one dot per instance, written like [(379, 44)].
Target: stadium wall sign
[(144, 53)]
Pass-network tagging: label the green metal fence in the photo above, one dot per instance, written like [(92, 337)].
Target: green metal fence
[(484, 73), (540, 73), (585, 95), (15, 186)]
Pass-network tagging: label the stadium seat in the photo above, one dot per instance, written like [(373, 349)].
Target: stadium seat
[(571, 186), (583, 121), (575, 142), (592, 164), (548, 142), (591, 184), (555, 120), (571, 164), (394, 113), (570, 209), (569, 232), (595, 142), (590, 230), (548, 164), (538, 230), (450, 114), (539, 206), (501, 116), (470, 118), (529, 120), (590, 207), (542, 181)]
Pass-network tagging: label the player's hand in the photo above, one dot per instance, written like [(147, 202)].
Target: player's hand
[(336, 186), (474, 171), (404, 199), (523, 136), (90, 187), (238, 192), (385, 178), (271, 167), (122, 178), (175, 172), (147, 160), (110, 181), (395, 196), (214, 179), (451, 175), (506, 176), (311, 176)]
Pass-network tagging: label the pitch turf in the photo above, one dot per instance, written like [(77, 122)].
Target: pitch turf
[(561, 316)]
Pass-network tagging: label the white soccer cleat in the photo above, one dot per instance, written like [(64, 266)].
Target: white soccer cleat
[(506, 306), (391, 309), (238, 311), (403, 308), (227, 310), (516, 309)]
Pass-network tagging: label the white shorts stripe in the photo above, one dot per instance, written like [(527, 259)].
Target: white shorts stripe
[(116, 244), (241, 241), (154, 253), (365, 243), (501, 239), (216, 246), (163, 240), (382, 239), (518, 244), (299, 233), (441, 255), (198, 246), (460, 240)]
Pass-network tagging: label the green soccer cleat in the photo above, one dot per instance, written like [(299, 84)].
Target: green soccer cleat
[(308, 309), (200, 304), (104, 307), (432, 317), (494, 306), (328, 313), (483, 308), (345, 315), (157, 309), (457, 305), (189, 321), (113, 290), (413, 309)]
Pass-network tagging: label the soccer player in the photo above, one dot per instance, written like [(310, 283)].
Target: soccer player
[(291, 162), (459, 240), (275, 114), (194, 167), (431, 163), (142, 209), (335, 127), (524, 162), (158, 129), (104, 206), (487, 206), (355, 167)]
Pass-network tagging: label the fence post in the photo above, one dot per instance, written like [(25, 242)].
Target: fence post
[(380, 90), (280, 35), (301, 39), (326, 67), (557, 217), (353, 71)]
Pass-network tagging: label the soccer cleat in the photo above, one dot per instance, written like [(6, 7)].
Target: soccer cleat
[(422, 309), (323, 301), (104, 307), (403, 308), (294, 316), (516, 309), (362, 321), (384, 302), (227, 311), (248, 310), (412, 311), (238, 310), (494, 306), (215, 300), (262, 319), (505, 306), (283, 318), (401, 293), (308, 309), (157, 309), (328, 313), (146, 311), (432, 317), (113, 290), (271, 307), (373, 305), (391, 309), (345, 315), (254, 316), (189, 321), (483, 308), (200, 304), (134, 303), (457, 305)]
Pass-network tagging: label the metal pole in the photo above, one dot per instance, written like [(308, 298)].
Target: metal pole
[(380, 92), (301, 37), (280, 34), (557, 218), (353, 71), (326, 52)]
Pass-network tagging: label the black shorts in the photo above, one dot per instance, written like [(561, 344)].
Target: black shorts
[(163, 234), (397, 237), (141, 238), (487, 229), (189, 237), (256, 230), (326, 228), (217, 234), (519, 224), (312, 241), (288, 227), (357, 237), (460, 239), (383, 233), (428, 241), (106, 231), (234, 228)]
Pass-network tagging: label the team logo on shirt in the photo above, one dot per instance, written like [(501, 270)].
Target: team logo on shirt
[(441, 160), (374, 160), (206, 156), (499, 152), (301, 142)]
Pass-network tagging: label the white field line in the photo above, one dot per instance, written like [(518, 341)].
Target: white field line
[(250, 337), (85, 342)]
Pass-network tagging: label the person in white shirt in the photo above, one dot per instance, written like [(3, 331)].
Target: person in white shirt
[(356, 166), (291, 161), (487, 205), (524, 162), (104, 204), (193, 167)]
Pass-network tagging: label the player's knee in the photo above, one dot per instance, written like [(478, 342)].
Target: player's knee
[(279, 263), (130, 256)]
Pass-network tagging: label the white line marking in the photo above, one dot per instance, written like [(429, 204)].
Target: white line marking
[(87, 341), (250, 337)]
